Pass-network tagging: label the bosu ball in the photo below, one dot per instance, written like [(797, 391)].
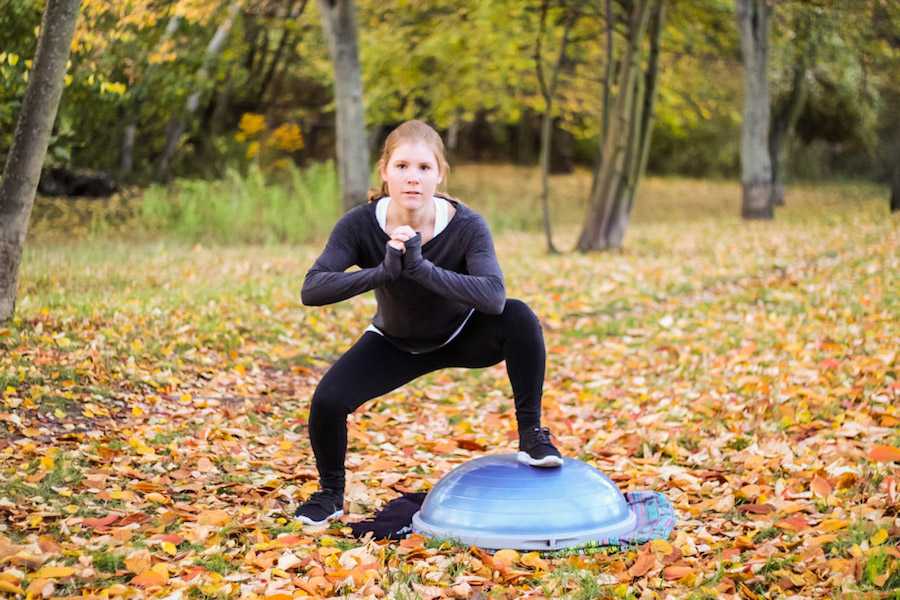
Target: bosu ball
[(496, 502)]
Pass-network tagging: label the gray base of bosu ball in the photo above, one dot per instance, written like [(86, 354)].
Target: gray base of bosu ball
[(495, 502)]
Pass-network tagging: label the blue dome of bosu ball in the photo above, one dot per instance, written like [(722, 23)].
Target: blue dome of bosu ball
[(496, 502)]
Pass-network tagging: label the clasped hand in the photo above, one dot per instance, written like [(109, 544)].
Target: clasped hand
[(400, 236)]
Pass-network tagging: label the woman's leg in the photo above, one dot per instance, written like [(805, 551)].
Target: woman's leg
[(371, 368), (514, 336)]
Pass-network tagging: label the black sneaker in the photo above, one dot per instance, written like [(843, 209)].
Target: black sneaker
[(535, 448), (320, 508)]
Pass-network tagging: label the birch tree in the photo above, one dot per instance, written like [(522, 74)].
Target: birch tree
[(29, 147)]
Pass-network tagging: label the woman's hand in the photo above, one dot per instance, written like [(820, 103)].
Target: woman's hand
[(400, 236)]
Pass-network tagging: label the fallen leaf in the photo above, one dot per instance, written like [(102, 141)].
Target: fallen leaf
[(645, 561), (54, 572), (213, 517), (506, 558), (676, 572), (821, 487), (880, 453)]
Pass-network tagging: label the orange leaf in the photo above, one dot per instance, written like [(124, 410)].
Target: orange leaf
[(150, 579), (880, 453), (139, 561), (796, 523), (644, 563), (101, 522), (172, 538), (213, 517), (413, 541), (821, 487), (676, 572)]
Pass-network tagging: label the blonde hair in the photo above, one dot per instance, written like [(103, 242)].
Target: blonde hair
[(411, 131)]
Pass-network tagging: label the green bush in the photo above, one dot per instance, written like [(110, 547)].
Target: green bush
[(296, 207)]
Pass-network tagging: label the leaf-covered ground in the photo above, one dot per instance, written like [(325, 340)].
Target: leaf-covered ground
[(154, 403)]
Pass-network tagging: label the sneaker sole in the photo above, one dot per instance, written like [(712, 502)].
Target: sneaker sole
[(308, 521), (547, 461)]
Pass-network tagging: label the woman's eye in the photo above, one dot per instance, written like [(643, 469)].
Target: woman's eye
[(426, 167)]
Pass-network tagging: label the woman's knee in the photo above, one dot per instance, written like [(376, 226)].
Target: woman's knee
[(328, 401), (518, 316)]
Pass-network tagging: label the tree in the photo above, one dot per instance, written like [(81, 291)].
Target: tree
[(626, 139), (548, 91), (29, 147), (178, 122), (339, 24), (754, 17)]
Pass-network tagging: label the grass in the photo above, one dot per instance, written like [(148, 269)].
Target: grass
[(300, 206)]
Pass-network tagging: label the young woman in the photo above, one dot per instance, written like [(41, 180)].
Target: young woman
[(441, 303)]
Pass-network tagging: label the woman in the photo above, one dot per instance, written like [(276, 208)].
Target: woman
[(441, 303)]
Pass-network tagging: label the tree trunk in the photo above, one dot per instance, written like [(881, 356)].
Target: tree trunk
[(29, 146), (548, 90), (133, 107), (645, 110), (129, 133), (339, 23), (608, 179), (756, 167), (178, 122), (895, 188), (782, 124), (546, 133), (288, 39)]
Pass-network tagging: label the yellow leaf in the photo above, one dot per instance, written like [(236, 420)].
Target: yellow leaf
[(879, 537), (506, 557), (661, 546), (53, 572), (137, 411), (534, 560), (157, 498), (833, 524), (169, 548), (10, 588)]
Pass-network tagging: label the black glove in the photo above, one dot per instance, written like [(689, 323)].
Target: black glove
[(393, 262), (412, 259)]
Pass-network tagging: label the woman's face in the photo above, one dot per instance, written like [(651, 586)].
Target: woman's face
[(411, 175)]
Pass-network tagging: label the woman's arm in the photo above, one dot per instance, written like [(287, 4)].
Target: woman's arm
[(482, 288), (327, 283)]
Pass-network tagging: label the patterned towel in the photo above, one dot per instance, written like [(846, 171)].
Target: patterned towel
[(655, 520)]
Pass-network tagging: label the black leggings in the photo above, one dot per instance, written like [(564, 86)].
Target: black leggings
[(373, 367)]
